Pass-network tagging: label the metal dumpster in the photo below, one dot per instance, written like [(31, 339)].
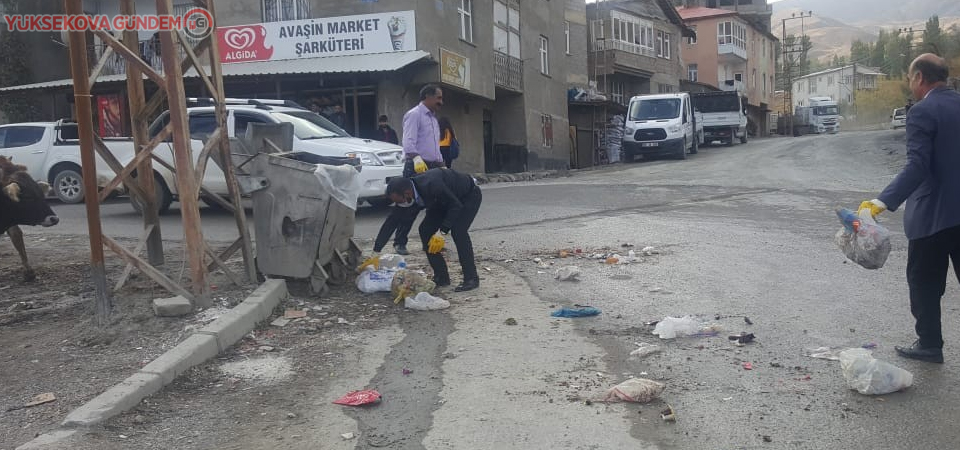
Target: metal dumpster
[(302, 230)]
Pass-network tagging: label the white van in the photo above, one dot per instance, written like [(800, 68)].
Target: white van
[(899, 118), (661, 124)]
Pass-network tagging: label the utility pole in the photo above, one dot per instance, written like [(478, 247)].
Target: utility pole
[(787, 64)]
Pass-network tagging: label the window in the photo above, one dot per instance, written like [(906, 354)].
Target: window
[(764, 84), (738, 77), (812, 86), (544, 55), (666, 89), (659, 44), (20, 136), (280, 10), (732, 33), (616, 92), (506, 29), (693, 40), (202, 125), (546, 130), (692, 72), (566, 35), (241, 120), (830, 80), (666, 45), (753, 78), (465, 10)]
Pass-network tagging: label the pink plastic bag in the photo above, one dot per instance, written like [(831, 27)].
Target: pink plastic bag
[(359, 398)]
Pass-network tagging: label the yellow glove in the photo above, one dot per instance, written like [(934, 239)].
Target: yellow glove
[(371, 261), (419, 166), (874, 206), (400, 296), (436, 244)]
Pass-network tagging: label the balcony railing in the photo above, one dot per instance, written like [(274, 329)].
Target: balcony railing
[(613, 44), (507, 71), (732, 49)]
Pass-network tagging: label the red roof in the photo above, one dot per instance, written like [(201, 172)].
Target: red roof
[(699, 12)]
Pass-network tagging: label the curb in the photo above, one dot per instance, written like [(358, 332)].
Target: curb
[(487, 178), (206, 343)]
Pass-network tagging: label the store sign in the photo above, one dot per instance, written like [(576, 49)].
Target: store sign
[(318, 38), (454, 69)]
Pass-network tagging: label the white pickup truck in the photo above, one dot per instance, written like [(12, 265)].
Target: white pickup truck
[(51, 153), (314, 134)]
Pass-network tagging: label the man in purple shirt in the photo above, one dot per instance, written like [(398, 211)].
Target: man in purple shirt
[(421, 150)]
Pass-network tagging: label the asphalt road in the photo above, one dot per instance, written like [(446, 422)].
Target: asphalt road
[(744, 230)]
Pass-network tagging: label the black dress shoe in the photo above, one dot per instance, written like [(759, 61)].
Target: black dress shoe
[(915, 351), (401, 250), (441, 282), (468, 285)]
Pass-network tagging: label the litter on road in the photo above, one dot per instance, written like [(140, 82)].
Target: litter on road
[(747, 366), (407, 282), (743, 338), (294, 314), (637, 390), (862, 239), (567, 273), (668, 415), (510, 321), (280, 322), (370, 280), (576, 312), (425, 302), (831, 354), (870, 376), (359, 398), (674, 327), (644, 349)]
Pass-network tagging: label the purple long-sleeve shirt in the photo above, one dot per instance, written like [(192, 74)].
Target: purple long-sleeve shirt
[(421, 134)]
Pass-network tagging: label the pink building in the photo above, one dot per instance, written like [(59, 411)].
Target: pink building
[(732, 53)]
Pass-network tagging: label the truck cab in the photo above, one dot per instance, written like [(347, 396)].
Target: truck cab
[(724, 116), (821, 116), (661, 124)]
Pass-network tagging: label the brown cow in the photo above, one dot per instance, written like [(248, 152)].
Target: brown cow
[(22, 202)]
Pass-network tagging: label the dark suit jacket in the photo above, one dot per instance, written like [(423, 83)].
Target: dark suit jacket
[(930, 182), (444, 190)]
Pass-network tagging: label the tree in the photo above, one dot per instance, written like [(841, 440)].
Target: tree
[(878, 53), (13, 72), (875, 105), (860, 51), (933, 36), (806, 45), (839, 61)]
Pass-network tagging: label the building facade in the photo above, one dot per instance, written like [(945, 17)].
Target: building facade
[(757, 11), (839, 84), (505, 67), (732, 54)]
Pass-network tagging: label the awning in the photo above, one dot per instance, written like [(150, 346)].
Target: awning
[(375, 62)]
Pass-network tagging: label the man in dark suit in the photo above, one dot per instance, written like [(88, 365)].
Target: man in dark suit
[(452, 200), (930, 185)]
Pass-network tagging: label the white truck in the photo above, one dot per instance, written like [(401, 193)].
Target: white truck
[(51, 153), (661, 124), (724, 116), (822, 115)]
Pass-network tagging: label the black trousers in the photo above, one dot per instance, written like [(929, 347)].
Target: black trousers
[(461, 236), (445, 153), (407, 216), (927, 262)]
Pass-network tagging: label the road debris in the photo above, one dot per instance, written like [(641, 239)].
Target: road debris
[(407, 371), (832, 354), (637, 390), (294, 314), (410, 283), (510, 321), (645, 349), (747, 366), (576, 312), (567, 273), (370, 281), (425, 302), (673, 327), (38, 399), (649, 251), (668, 415), (359, 398), (348, 436), (742, 338), (869, 346), (870, 376), (280, 322)]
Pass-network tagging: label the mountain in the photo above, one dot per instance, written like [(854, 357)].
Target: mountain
[(874, 12), (837, 23)]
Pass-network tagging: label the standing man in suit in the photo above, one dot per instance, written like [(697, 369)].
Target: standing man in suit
[(452, 200), (930, 185)]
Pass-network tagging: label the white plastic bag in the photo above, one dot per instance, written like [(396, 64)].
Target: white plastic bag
[(870, 376), (672, 327), (392, 261), (644, 349), (567, 273), (425, 302), (869, 246), (341, 182), (638, 390), (371, 281)]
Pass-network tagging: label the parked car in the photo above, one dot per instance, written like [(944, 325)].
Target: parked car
[(662, 124), (313, 134), (899, 118), (51, 153)]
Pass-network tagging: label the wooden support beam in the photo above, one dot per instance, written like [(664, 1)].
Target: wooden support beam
[(158, 97), (185, 44), (104, 58), (136, 251), (104, 152), (142, 155), (147, 269), (130, 57), (223, 266), (226, 254), (205, 154)]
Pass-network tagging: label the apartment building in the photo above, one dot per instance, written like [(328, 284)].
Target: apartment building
[(840, 84)]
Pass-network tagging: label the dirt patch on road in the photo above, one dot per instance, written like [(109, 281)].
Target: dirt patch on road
[(51, 344)]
